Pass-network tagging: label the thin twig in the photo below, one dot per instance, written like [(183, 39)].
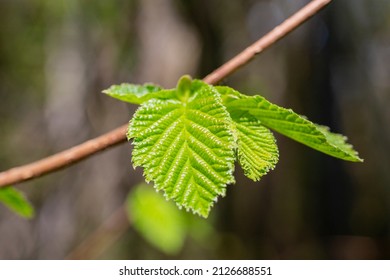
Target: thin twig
[(266, 41), (63, 159), (117, 136), (103, 237)]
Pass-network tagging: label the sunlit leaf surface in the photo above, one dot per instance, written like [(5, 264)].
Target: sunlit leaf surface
[(185, 146)]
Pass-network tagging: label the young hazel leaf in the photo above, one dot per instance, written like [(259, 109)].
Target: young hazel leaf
[(136, 94), (185, 145), (290, 124), (16, 201), (256, 147), (339, 141), (185, 138)]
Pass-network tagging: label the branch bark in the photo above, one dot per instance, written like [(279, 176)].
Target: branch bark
[(118, 135)]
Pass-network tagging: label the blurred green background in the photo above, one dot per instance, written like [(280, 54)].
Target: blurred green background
[(57, 56)]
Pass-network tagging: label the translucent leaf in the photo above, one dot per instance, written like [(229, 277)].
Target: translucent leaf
[(288, 123), (16, 201), (338, 140), (157, 220), (150, 213), (136, 94), (257, 149), (185, 145)]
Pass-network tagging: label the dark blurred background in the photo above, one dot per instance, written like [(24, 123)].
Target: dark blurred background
[(57, 56)]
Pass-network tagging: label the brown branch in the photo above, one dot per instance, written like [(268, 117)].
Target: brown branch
[(266, 41), (63, 159), (84, 150)]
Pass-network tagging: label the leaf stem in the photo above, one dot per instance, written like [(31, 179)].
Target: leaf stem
[(118, 135)]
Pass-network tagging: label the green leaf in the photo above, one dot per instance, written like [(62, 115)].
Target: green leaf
[(338, 140), (157, 220), (185, 145), (16, 201), (137, 94), (288, 123), (150, 213), (257, 149)]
